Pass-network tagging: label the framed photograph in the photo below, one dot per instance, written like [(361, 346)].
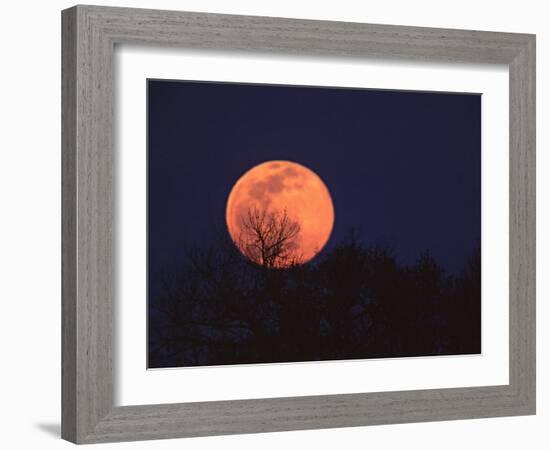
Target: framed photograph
[(278, 224)]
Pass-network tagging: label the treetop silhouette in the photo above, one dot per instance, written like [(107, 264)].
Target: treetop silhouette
[(353, 302), (271, 239)]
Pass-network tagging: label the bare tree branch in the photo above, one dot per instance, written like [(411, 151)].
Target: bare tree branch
[(270, 239)]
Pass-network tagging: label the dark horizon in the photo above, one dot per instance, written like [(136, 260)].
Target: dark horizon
[(353, 302)]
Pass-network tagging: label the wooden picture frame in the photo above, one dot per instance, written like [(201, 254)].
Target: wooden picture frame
[(89, 37)]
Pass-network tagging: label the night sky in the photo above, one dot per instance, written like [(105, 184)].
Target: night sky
[(403, 167)]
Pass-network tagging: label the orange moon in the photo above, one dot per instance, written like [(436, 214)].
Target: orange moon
[(289, 187)]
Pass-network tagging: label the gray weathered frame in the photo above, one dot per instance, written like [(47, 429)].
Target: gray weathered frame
[(89, 36)]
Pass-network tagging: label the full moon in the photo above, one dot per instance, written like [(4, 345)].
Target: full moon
[(280, 213)]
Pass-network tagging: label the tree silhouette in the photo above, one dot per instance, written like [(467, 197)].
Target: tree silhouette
[(353, 302), (270, 239), (462, 310)]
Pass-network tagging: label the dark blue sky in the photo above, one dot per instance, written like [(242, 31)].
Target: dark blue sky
[(404, 167)]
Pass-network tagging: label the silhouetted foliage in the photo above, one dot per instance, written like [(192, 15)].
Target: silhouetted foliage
[(353, 302), (270, 238)]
